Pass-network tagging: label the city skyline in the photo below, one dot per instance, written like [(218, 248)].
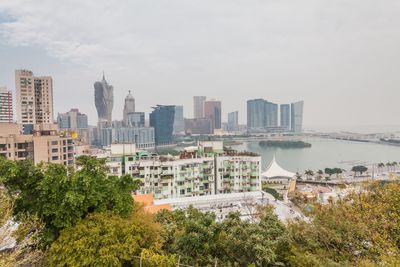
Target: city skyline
[(327, 66)]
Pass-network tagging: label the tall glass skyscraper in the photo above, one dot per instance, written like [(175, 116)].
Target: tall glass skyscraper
[(162, 119), (212, 110), (285, 116), (261, 114), (233, 121), (179, 121), (297, 116), (104, 100), (255, 113)]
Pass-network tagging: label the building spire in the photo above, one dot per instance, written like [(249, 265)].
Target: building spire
[(104, 78)]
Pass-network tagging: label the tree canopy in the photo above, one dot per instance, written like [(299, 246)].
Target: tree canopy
[(61, 197)]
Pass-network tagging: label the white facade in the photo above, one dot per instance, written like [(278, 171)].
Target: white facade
[(175, 178)]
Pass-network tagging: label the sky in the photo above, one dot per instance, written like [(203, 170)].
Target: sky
[(341, 57)]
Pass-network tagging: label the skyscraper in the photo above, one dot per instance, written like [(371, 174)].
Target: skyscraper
[(129, 107), (72, 119), (34, 98), (297, 116), (285, 116), (135, 119), (256, 114), (162, 119), (179, 123), (77, 122), (198, 105), (271, 114), (6, 108), (212, 110), (233, 121), (104, 100)]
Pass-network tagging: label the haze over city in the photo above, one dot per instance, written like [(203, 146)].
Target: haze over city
[(340, 57)]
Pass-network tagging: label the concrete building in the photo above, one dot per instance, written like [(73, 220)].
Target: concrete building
[(285, 116), (198, 106), (44, 145), (162, 119), (202, 170), (198, 126), (179, 121), (129, 107), (233, 121), (212, 110), (104, 100), (297, 116), (142, 137), (135, 119), (6, 106), (34, 98)]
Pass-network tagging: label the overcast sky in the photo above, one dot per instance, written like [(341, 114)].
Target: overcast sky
[(342, 57)]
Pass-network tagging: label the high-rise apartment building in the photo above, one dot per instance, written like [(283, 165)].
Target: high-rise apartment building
[(104, 100), (179, 121), (198, 105), (162, 119), (212, 110), (297, 116), (6, 107), (129, 107), (34, 98), (285, 116), (233, 121)]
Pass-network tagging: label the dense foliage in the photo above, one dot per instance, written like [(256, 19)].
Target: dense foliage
[(284, 144), (86, 218), (61, 197)]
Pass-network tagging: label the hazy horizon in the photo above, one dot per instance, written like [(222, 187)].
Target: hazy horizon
[(340, 57)]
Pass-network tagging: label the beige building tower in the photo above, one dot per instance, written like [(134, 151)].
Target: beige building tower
[(34, 98)]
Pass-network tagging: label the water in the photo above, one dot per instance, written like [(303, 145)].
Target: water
[(325, 153)]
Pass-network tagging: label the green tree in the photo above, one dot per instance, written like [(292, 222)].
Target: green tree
[(106, 239), (362, 228), (242, 243), (309, 174), (359, 169), (61, 197)]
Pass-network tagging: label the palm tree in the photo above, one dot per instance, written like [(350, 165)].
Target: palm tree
[(394, 164), (298, 175), (381, 165), (388, 165), (309, 173), (320, 173)]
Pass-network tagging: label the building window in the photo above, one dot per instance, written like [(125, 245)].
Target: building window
[(54, 143), (54, 158)]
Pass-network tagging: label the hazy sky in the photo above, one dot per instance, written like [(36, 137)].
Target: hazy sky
[(342, 57)]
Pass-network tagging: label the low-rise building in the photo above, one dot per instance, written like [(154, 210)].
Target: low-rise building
[(45, 144)]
